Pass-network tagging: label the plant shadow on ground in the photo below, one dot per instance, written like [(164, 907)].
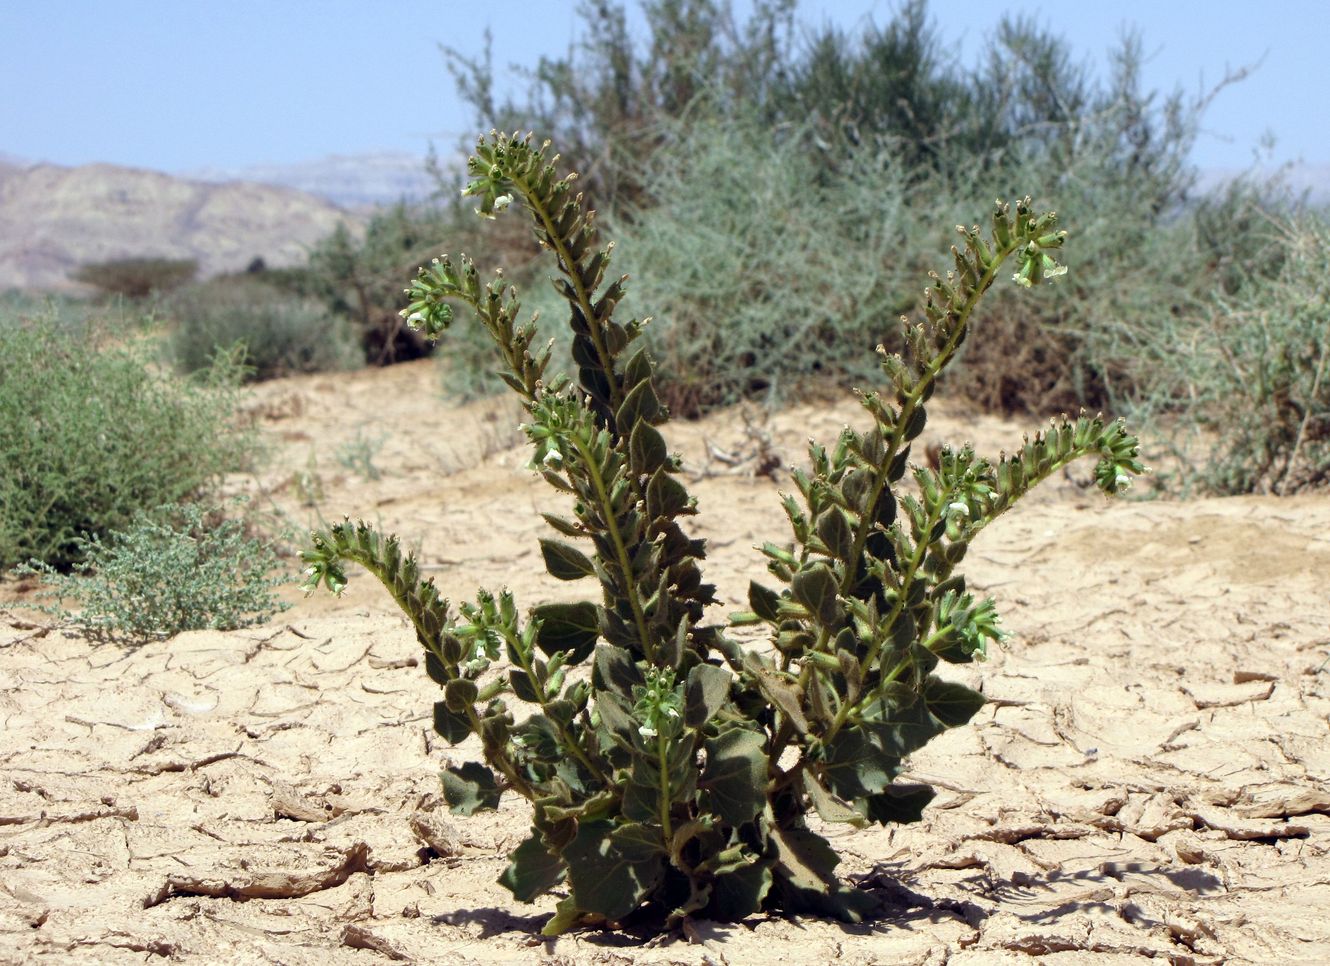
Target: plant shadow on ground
[(899, 901)]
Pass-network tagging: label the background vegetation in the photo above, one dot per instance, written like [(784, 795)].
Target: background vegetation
[(92, 432)]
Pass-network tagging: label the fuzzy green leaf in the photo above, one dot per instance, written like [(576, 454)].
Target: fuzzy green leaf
[(641, 406), (854, 767), (666, 496), (564, 562), (835, 531), (739, 894), (522, 686), (647, 449), (830, 807), (614, 670), (898, 723), (736, 775), (470, 788), (567, 628), (453, 727), (780, 692), (705, 693), (815, 588), (611, 869), (763, 601), (460, 694), (532, 871), (951, 703)]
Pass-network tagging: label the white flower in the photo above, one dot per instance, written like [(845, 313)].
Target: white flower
[(1122, 480), (959, 507), (502, 202), (646, 731)]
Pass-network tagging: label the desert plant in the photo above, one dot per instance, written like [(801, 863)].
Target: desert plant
[(178, 568), (357, 455), (279, 333), (668, 765), (137, 278), (90, 433), (1242, 386)]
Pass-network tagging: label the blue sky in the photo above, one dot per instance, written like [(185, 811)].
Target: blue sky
[(178, 85)]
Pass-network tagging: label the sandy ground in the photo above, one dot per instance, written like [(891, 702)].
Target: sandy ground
[(1149, 780)]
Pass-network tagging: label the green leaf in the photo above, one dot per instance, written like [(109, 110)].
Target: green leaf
[(951, 703), (454, 728), (854, 767), (831, 808), (780, 692), (615, 670), (641, 406), (763, 601), (739, 894), (898, 722), (434, 668), (470, 788), (899, 804), (835, 531), (638, 367), (532, 871), (566, 916), (567, 628), (564, 562), (705, 693), (815, 588), (666, 496), (460, 694), (805, 858), (565, 526), (611, 870), (646, 449), (736, 775), (522, 686)]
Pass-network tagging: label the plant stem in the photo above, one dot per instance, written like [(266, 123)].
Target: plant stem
[(569, 266), (662, 753), (620, 549)]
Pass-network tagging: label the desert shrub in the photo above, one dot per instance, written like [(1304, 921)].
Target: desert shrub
[(756, 271), (137, 278), (360, 278), (178, 568), (609, 100), (91, 433), (279, 333), (670, 767), (1242, 386), (887, 114)]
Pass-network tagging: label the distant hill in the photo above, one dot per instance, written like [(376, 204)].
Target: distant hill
[(352, 181), (54, 219)]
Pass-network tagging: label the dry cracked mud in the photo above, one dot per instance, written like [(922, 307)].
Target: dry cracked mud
[(1151, 778)]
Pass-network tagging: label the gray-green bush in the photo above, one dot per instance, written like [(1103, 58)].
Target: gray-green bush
[(278, 333), (91, 433), (1242, 388), (178, 568)]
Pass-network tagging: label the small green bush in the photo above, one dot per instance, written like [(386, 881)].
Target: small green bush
[(280, 333), (1242, 387), (91, 433), (180, 568), (137, 278), (766, 275)]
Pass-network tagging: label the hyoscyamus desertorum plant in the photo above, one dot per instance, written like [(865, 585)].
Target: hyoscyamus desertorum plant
[(667, 765)]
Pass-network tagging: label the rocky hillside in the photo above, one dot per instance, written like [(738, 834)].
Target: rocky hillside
[(53, 219)]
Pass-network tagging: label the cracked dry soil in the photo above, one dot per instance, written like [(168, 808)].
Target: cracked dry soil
[(1148, 781)]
